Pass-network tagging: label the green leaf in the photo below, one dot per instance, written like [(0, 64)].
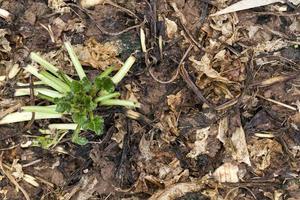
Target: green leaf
[(63, 106), (79, 140), (80, 118), (44, 141), (105, 83), (96, 125), (86, 84), (76, 86)]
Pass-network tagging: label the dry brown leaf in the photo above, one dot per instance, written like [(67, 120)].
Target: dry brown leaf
[(262, 151), (200, 145), (131, 95), (4, 43), (227, 173), (205, 66), (222, 130), (174, 101), (270, 46), (171, 28), (99, 56), (145, 148), (241, 153), (59, 6), (120, 125), (176, 191), (169, 126)]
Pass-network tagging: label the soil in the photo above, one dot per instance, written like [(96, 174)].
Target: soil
[(220, 107)]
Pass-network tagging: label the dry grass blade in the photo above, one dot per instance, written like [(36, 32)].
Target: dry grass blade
[(244, 5), (278, 103)]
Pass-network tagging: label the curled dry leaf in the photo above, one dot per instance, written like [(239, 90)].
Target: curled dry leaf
[(205, 66), (171, 28), (120, 125), (174, 101), (270, 46), (263, 152), (145, 148), (200, 145), (227, 173), (99, 56), (238, 140), (59, 6), (169, 126), (175, 191), (4, 43), (5, 14)]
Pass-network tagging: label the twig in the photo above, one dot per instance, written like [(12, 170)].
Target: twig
[(129, 12), (278, 103), (177, 70), (32, 99), (100, 28), (192, 86), (10, 110)]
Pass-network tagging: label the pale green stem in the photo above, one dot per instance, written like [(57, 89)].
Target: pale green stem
[(71, 126), (46, 80), (75, 60), (26, 116), (120, 102), (28, 84), (123, 71), (44, 63), (106, 72), (41, 109), (44, 91), (108, 96), (56, 80)]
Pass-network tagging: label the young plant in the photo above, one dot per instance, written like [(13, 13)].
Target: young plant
[(77, 98)]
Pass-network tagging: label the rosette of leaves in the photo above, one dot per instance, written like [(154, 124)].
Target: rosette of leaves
[(76, 98)]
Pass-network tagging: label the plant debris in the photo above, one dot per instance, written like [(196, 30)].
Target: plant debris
[(217, 84)]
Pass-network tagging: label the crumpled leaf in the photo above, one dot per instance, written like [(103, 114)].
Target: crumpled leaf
[(263, 152), (59, 6), (245, 4), (241, 153), (120, 124), (270, 46), (200, 145), (176, 191), (171, 28), (227, 173), (4, 43), (205, 66), (174, 101)]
